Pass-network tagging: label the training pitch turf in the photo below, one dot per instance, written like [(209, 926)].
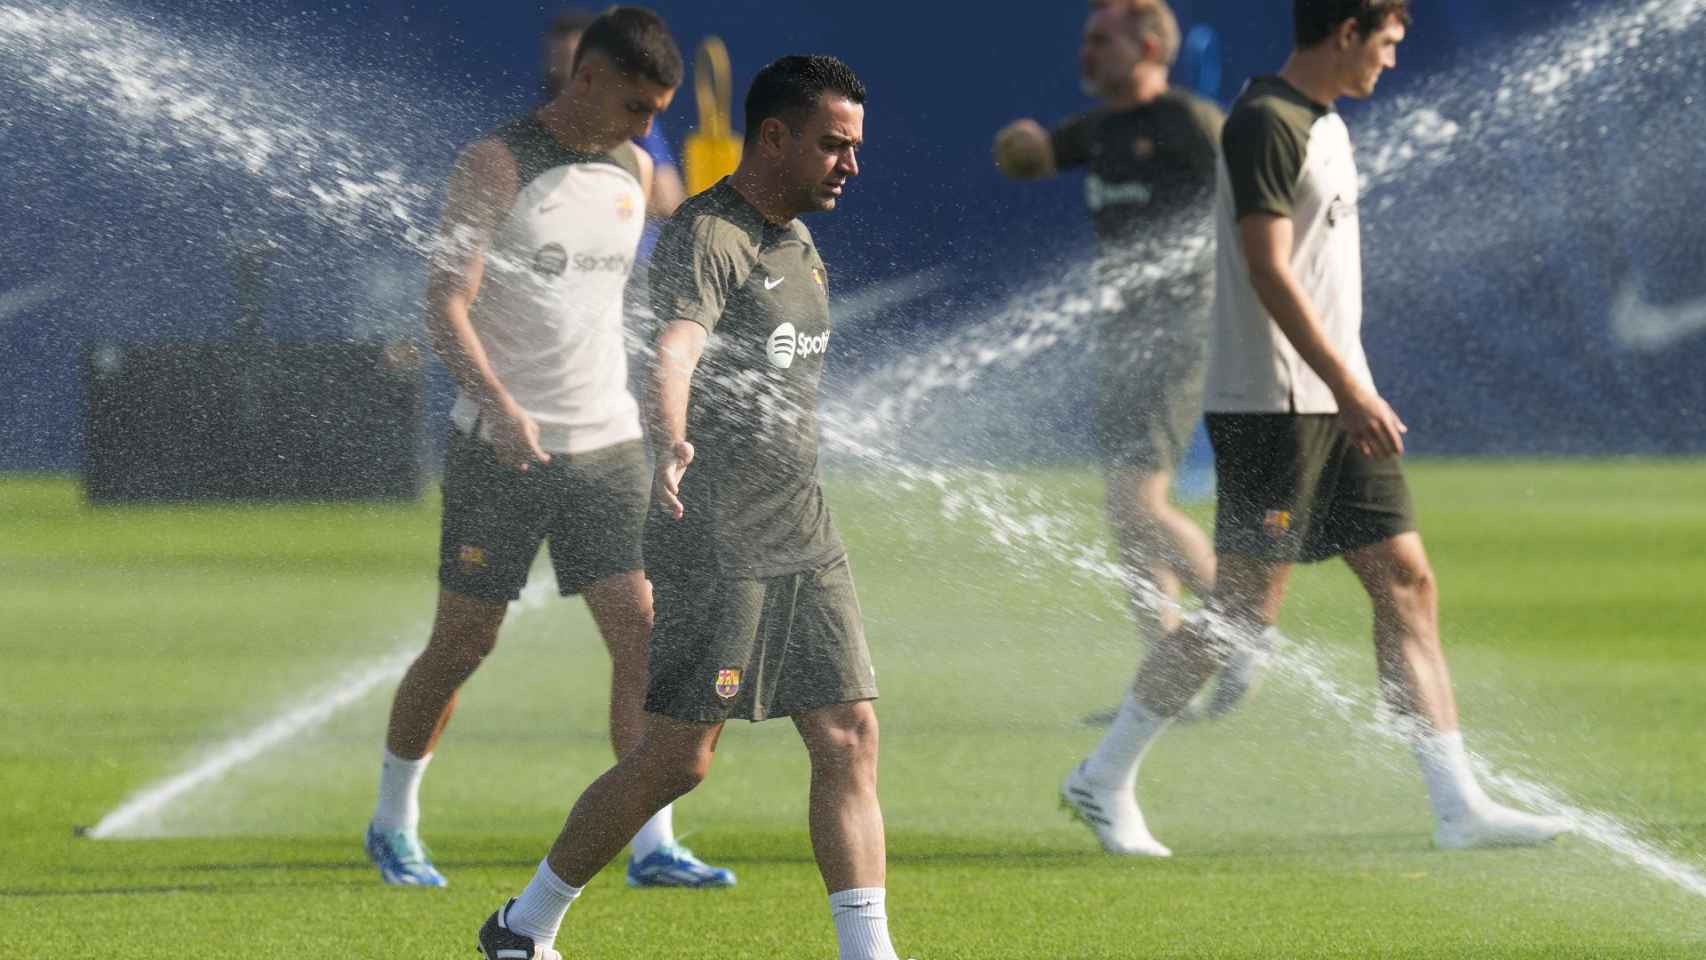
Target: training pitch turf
[(135, 641)]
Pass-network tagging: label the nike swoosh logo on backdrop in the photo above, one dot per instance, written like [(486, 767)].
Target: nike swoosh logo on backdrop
[(1649, 328)]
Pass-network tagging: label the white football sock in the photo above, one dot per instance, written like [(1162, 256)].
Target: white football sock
[(659, 830), (538, 913), (1115, 762), (399, 793), (1452, 788), (862, 924)]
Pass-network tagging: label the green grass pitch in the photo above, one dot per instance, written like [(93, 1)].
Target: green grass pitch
[(133, 641)]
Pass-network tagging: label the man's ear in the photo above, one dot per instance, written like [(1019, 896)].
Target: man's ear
[(1347, 36), (771, 134), (588, 70)]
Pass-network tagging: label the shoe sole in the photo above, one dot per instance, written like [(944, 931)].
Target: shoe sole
[(652, 885)]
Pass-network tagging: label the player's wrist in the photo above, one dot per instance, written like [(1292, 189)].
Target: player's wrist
[(500, 405), (1350, 394), (667, 453)]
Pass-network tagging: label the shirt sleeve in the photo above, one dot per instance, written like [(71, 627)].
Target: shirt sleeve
[(1071, 142), (692, 275), (1264, 160), (1210, 124)]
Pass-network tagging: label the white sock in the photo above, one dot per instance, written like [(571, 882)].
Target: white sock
[(538, 913), (1115, 762), (659, 830), (1452, 788), (399, 793), (862, 924)]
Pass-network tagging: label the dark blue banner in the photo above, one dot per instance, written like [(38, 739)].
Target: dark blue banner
[(1532, 175)]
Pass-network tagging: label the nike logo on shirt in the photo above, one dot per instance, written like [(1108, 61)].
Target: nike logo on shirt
[(773, 284)]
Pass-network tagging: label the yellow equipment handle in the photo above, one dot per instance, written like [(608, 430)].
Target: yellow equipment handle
[(713, 151)]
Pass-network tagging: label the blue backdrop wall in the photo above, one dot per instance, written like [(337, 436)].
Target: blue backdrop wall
[(1534, 259)]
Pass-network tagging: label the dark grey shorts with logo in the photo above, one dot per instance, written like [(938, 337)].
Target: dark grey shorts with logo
[(1291, 488), (740, 649), (590, 508)]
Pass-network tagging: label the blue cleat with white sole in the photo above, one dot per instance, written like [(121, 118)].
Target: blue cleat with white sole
[(401, 858), (673, 865)]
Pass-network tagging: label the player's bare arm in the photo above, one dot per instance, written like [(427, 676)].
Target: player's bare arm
[(667, 192), (1024, 151), (648, 174), (679, 348), (483, 185), (1268, 241)]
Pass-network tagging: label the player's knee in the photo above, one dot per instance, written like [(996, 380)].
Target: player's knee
[(849, 742), (677, 772), (453, 655), (1409, 589), (685, 775)]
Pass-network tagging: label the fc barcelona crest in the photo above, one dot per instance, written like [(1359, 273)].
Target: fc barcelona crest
[(728, 684)]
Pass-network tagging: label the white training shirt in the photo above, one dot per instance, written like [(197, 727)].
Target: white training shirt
[(1285, 155), (549, 311)]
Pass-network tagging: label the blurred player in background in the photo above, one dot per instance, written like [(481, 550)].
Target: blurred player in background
[(1151, 151), (757, 616), (525, 309), (1306, 452), (664, 193), (562, 39)]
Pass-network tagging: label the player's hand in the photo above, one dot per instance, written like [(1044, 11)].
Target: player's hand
[(1023, 151), (672, 463), (515, 437), (1372, 425)]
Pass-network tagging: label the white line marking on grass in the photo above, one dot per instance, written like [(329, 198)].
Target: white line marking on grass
[(151, 802), (142, 813)]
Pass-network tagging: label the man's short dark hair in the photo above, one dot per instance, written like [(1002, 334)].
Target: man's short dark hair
[(1317, 19), (790, 88), (637, 41)]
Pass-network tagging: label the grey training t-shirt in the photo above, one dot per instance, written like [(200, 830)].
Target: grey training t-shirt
[(753, 494), (1147, 165)]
